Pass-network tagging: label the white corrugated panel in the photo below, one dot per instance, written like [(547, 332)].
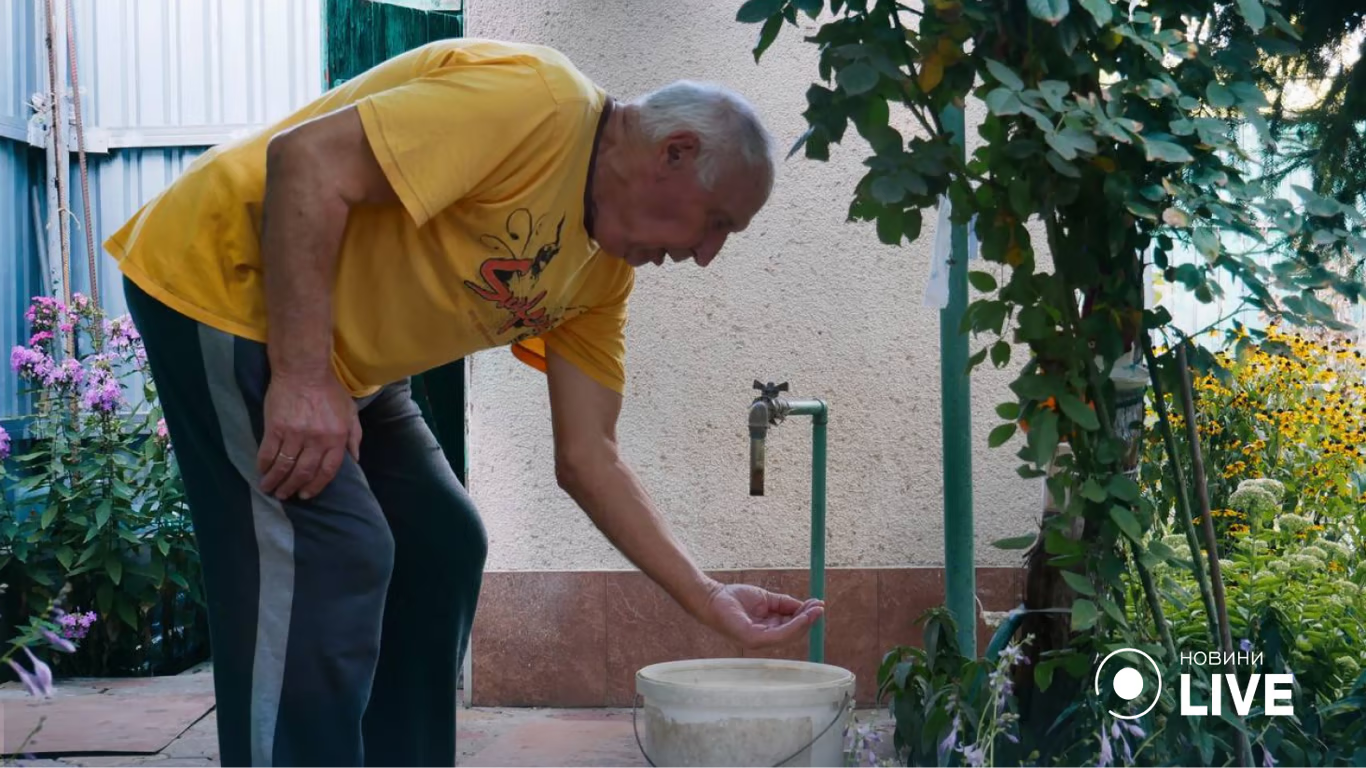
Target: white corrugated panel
[(19, 77), (205, 63)]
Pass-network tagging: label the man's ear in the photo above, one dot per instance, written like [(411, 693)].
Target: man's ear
[(680, 150)]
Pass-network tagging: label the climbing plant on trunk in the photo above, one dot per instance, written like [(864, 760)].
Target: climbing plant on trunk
[(1110, 150)]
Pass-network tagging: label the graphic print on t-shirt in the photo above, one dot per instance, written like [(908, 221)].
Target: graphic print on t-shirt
[(509, 279)]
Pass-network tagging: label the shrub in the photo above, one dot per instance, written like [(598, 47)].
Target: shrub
[(95, 500)]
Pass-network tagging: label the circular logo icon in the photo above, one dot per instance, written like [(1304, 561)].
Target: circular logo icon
[(1125, 679)]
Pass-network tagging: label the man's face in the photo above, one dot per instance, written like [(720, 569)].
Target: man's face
[(669, 214)]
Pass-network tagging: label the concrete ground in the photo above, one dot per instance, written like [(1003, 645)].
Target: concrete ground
[(170, 721)]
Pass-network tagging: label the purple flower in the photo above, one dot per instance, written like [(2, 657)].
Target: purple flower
[(40, 338), (120, 332), (1107, 756), (1267, 760), (4, 444), (60, 643), (950, 742), (76, 625), (1134, 730), (69, 375), (975, 755), (102, 393), (1245, 645), (29, 363), (38, 682)]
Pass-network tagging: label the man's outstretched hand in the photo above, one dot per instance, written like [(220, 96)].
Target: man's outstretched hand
[(755, 618)]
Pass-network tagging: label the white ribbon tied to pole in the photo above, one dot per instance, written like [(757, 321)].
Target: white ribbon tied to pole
[(937, 289)]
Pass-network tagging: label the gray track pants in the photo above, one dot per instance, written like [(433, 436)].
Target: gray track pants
[(338, 624)]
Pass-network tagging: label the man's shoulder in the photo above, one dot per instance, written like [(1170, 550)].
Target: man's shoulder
[(564, 82)]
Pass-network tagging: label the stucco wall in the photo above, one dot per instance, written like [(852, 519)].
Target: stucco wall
[(802, 296)]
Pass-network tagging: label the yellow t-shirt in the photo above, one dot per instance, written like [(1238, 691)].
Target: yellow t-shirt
[(488, 146)]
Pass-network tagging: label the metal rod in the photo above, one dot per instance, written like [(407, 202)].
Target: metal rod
[(816, 645), (956, 425)]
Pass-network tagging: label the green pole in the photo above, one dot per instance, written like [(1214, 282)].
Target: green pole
[(956, 424), (820, 418), (816, 650)]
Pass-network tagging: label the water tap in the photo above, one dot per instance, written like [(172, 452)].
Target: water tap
[(766, 410)]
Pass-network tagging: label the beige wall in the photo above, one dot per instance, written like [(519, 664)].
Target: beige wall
[(801, 296)]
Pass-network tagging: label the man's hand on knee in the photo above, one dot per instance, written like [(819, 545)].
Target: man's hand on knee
[(310, 427)]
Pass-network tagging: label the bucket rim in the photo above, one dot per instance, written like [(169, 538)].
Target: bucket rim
[(653, 676)]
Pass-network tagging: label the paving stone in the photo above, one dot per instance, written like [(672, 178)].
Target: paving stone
[(563, 743)]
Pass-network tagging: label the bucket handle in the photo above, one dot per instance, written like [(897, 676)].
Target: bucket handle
[(844, 704)]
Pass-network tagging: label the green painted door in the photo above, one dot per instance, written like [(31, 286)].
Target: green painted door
[(358, 35)]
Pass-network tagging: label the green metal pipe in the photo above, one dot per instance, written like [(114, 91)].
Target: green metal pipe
[(820, 414), (956, 425)]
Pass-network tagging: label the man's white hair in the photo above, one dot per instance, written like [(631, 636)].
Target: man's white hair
[(733, 138)]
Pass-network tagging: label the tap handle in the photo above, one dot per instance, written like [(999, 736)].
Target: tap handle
[(770, 390)]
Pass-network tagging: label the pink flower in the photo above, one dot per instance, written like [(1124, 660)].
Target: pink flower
[(39, 338), (162, 433), (4, 444)]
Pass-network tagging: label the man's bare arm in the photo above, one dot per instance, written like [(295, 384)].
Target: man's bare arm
[(315, 173), (589, 468)]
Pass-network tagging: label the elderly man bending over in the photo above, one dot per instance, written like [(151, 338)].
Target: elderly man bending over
[(465, 195)]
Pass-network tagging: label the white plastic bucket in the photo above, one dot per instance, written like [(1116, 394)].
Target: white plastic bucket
[(743, 712)]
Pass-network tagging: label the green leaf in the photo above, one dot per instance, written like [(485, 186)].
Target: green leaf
[(1166, 151), (1054, 91), (1079, 583), (1008, 411), (982, 281), (1001, 434), (65, 555), (1113, 611), (1206, 242), (127, 613), (1000, 354), (1043, 674), (1092, 491), (1005, 75), (1015, 542), (1003, 102), (889, 226), (857, 78), (1248, 94), (1084, 615), (755, 11), (49, 515), (1043, 436), (767, 35), (1123, 488), (1051, 11), (887, 190), (114, 567), (1126, 522), (1100, 9), (1255, 14), (103, 511), (1219, 96), (164, 546), (1062, 166), (1077, 411)]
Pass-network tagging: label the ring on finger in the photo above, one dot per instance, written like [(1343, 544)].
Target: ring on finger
[(286, 457)]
